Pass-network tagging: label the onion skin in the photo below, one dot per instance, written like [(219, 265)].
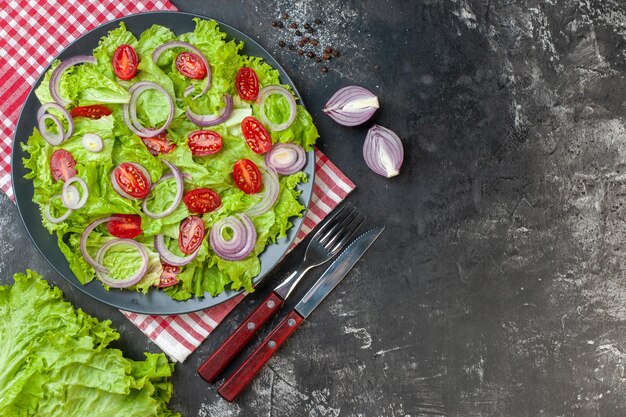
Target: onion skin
[(271, 192), (295, 163), (55, 78), (352, 105), (50, 217), (83, 243), (268, 91), (205, 120), (383, 151), (168, 257)]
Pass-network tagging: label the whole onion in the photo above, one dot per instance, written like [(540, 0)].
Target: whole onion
[(383, 151)]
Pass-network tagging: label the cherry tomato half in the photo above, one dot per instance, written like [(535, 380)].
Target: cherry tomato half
[(62, 165), (95, 111), (191, 65), (125, 62), (247, 84), (131, 180), (204, 142), (191, 234), (247, 176), (125, 226), (202, 200), (159, 144), (169, 276), (256, 136)]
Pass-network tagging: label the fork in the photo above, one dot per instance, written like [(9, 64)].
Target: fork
[(329, 239)]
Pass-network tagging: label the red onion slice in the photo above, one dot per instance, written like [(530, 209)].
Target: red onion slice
[(383, 151), (69, 196), (168, 257), (62, 134), (352, 105), (55, 78), (126, 282), (241, 245), (117, 187), (178, 177), (180, 44), (50, 217), (83, 243), (286, 158), (129, 111), (270, 193), (269, 91), (204, 120)]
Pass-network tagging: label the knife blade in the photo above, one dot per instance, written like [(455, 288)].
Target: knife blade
[(238, 380)]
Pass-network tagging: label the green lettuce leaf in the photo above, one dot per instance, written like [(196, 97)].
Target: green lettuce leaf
[(56, 361)]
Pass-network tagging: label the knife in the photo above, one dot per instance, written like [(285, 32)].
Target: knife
[(236, 382)]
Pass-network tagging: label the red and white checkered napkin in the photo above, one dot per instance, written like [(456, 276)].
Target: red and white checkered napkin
[(179, 335), (32, 33)]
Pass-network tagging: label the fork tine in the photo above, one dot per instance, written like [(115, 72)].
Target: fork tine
[(330, 221), (346, 234), (340, 224)]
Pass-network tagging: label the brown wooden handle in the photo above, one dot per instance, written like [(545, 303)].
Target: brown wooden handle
[(236, 383), (215, 364)]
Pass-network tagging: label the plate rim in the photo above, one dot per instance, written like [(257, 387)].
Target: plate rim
[(305, 196)]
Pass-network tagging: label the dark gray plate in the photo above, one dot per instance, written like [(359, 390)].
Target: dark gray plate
[(155, 302)]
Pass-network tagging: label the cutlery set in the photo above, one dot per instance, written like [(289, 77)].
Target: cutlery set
[(330, 238)]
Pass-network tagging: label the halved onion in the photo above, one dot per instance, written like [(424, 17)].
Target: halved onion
[(126, 282), (50, 217), (271, 90), (168, 257), (286, 158), (180, 44), (55, 78), (129, 111), (352, 105), (70, 195), (383, 151), (205, 120), (62, 134), (271, 191), (83, 243), (178, 177), (240, 245)]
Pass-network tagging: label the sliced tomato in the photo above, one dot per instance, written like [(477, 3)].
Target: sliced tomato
[(169, 276), (202, 200), (125, 226), (204, 142), (247, 176), (247, 84), (256, 136), (62, 165), (125, 62), (159, 144), (95, 111), (191, 234), (131, 180), (191, 65)]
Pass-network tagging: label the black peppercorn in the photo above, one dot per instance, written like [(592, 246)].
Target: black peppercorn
[(318, 59), (298, 33), (306, 39), (300, 43), (292, 46), (324, 69), (328, 50), (285, 15), (326, 56), (280, 25), (376, 67), (281, 44), (310, 54), (307, 26), (335, 53), (314, 42), (293, 25), (275, 23), (300, 52), (318, 21)]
